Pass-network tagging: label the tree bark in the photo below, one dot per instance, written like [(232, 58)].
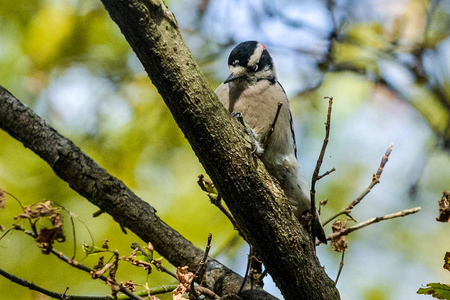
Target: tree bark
[(256, 201)]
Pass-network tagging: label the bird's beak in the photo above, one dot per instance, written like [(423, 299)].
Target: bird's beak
[(232, 77), (235, 73)]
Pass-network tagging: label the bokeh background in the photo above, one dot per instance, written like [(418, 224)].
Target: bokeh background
[(386, 63)]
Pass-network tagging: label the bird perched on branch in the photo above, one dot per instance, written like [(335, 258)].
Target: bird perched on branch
[(253, 94)]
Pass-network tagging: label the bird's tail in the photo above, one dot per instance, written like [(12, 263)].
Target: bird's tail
[(317, 228)]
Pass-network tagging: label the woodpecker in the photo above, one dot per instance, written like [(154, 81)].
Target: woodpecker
[(253, 93)]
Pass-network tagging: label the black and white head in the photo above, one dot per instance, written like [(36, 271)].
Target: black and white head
[(250, 61)]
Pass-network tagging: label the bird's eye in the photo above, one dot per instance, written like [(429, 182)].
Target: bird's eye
[(253, 68)]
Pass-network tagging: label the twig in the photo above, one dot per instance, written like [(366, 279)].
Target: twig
[(31, 285), (216, 199), (342, 212), (205, 256), (358, 226), (341, 265), (249, 262), (272, 126), (34, 287), (375, 180), (316, 176), (326, 173), (202, 262), (207, 292), (158, 264), (21, 206), (14, 197), (218, 203)]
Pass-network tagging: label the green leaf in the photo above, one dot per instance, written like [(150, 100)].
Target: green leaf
[(91, 250), (437, 290), (142, 257)]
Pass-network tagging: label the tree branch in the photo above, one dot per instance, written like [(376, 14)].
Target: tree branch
[(358, 226), (34, 287)]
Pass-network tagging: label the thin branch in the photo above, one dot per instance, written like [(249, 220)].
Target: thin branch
[(249, 261), (375, 180), (14, 197), (272, 126), (215, 198), (218, 203), (326, 173), (207, 292), (205, 256), (358, 226), (202, 263), (34, 287), (316, 176), (160, 267), (341, 265)]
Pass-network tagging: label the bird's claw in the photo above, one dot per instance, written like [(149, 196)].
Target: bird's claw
[(257, 148)]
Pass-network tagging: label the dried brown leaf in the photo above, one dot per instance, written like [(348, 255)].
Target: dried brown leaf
[(447, 261), (47, 236), (143, 264), (133, 254), (339, 244), (149, 247), (102, 271), (158, 264), (130, 285), (56, 220), (324, 202), (37, 210), (444, 207), (100, 264), (185, 279), (105, 244)]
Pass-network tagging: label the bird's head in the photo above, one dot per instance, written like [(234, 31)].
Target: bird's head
[(250, 61)]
